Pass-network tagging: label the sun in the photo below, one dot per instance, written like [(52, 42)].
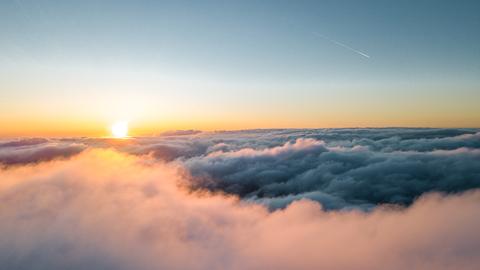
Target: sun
[(120, 129)]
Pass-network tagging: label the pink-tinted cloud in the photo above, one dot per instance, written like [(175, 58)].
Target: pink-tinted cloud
[(32, 152), (301, 144), (106, 210)]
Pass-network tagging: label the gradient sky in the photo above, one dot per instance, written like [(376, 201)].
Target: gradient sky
[(74, 67)]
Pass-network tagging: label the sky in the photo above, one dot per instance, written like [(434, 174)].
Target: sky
[(72, 68)]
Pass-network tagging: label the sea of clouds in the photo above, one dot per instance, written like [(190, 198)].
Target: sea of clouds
[(253, 199)]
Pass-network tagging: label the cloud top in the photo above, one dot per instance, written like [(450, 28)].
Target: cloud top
[(103, 209), (339, 168)]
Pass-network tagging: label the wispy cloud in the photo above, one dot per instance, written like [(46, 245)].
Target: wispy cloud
[(342, 45)]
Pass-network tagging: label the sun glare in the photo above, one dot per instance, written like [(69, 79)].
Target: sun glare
[(120, 129)]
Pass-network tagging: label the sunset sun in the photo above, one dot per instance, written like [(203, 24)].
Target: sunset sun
[(120, 129)]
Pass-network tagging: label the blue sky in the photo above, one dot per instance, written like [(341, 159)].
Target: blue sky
[(237, 57)]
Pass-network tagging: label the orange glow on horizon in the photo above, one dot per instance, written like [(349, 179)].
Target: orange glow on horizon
[(88, 125)]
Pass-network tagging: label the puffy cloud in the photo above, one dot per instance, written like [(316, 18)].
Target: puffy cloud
[(335, 176), (36, 150), (422, 144), (168, 151), (340, 168), (180, 132), (23, 142), (300, 146), (106, 210)]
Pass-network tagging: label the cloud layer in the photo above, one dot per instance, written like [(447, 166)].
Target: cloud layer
[(340, 168), (103, 209), (26, 151)]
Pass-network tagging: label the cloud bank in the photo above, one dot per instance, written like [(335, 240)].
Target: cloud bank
[(339, 168), (36, 150), (103, 209)]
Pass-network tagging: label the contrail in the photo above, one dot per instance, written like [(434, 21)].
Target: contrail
[(341, 44)]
